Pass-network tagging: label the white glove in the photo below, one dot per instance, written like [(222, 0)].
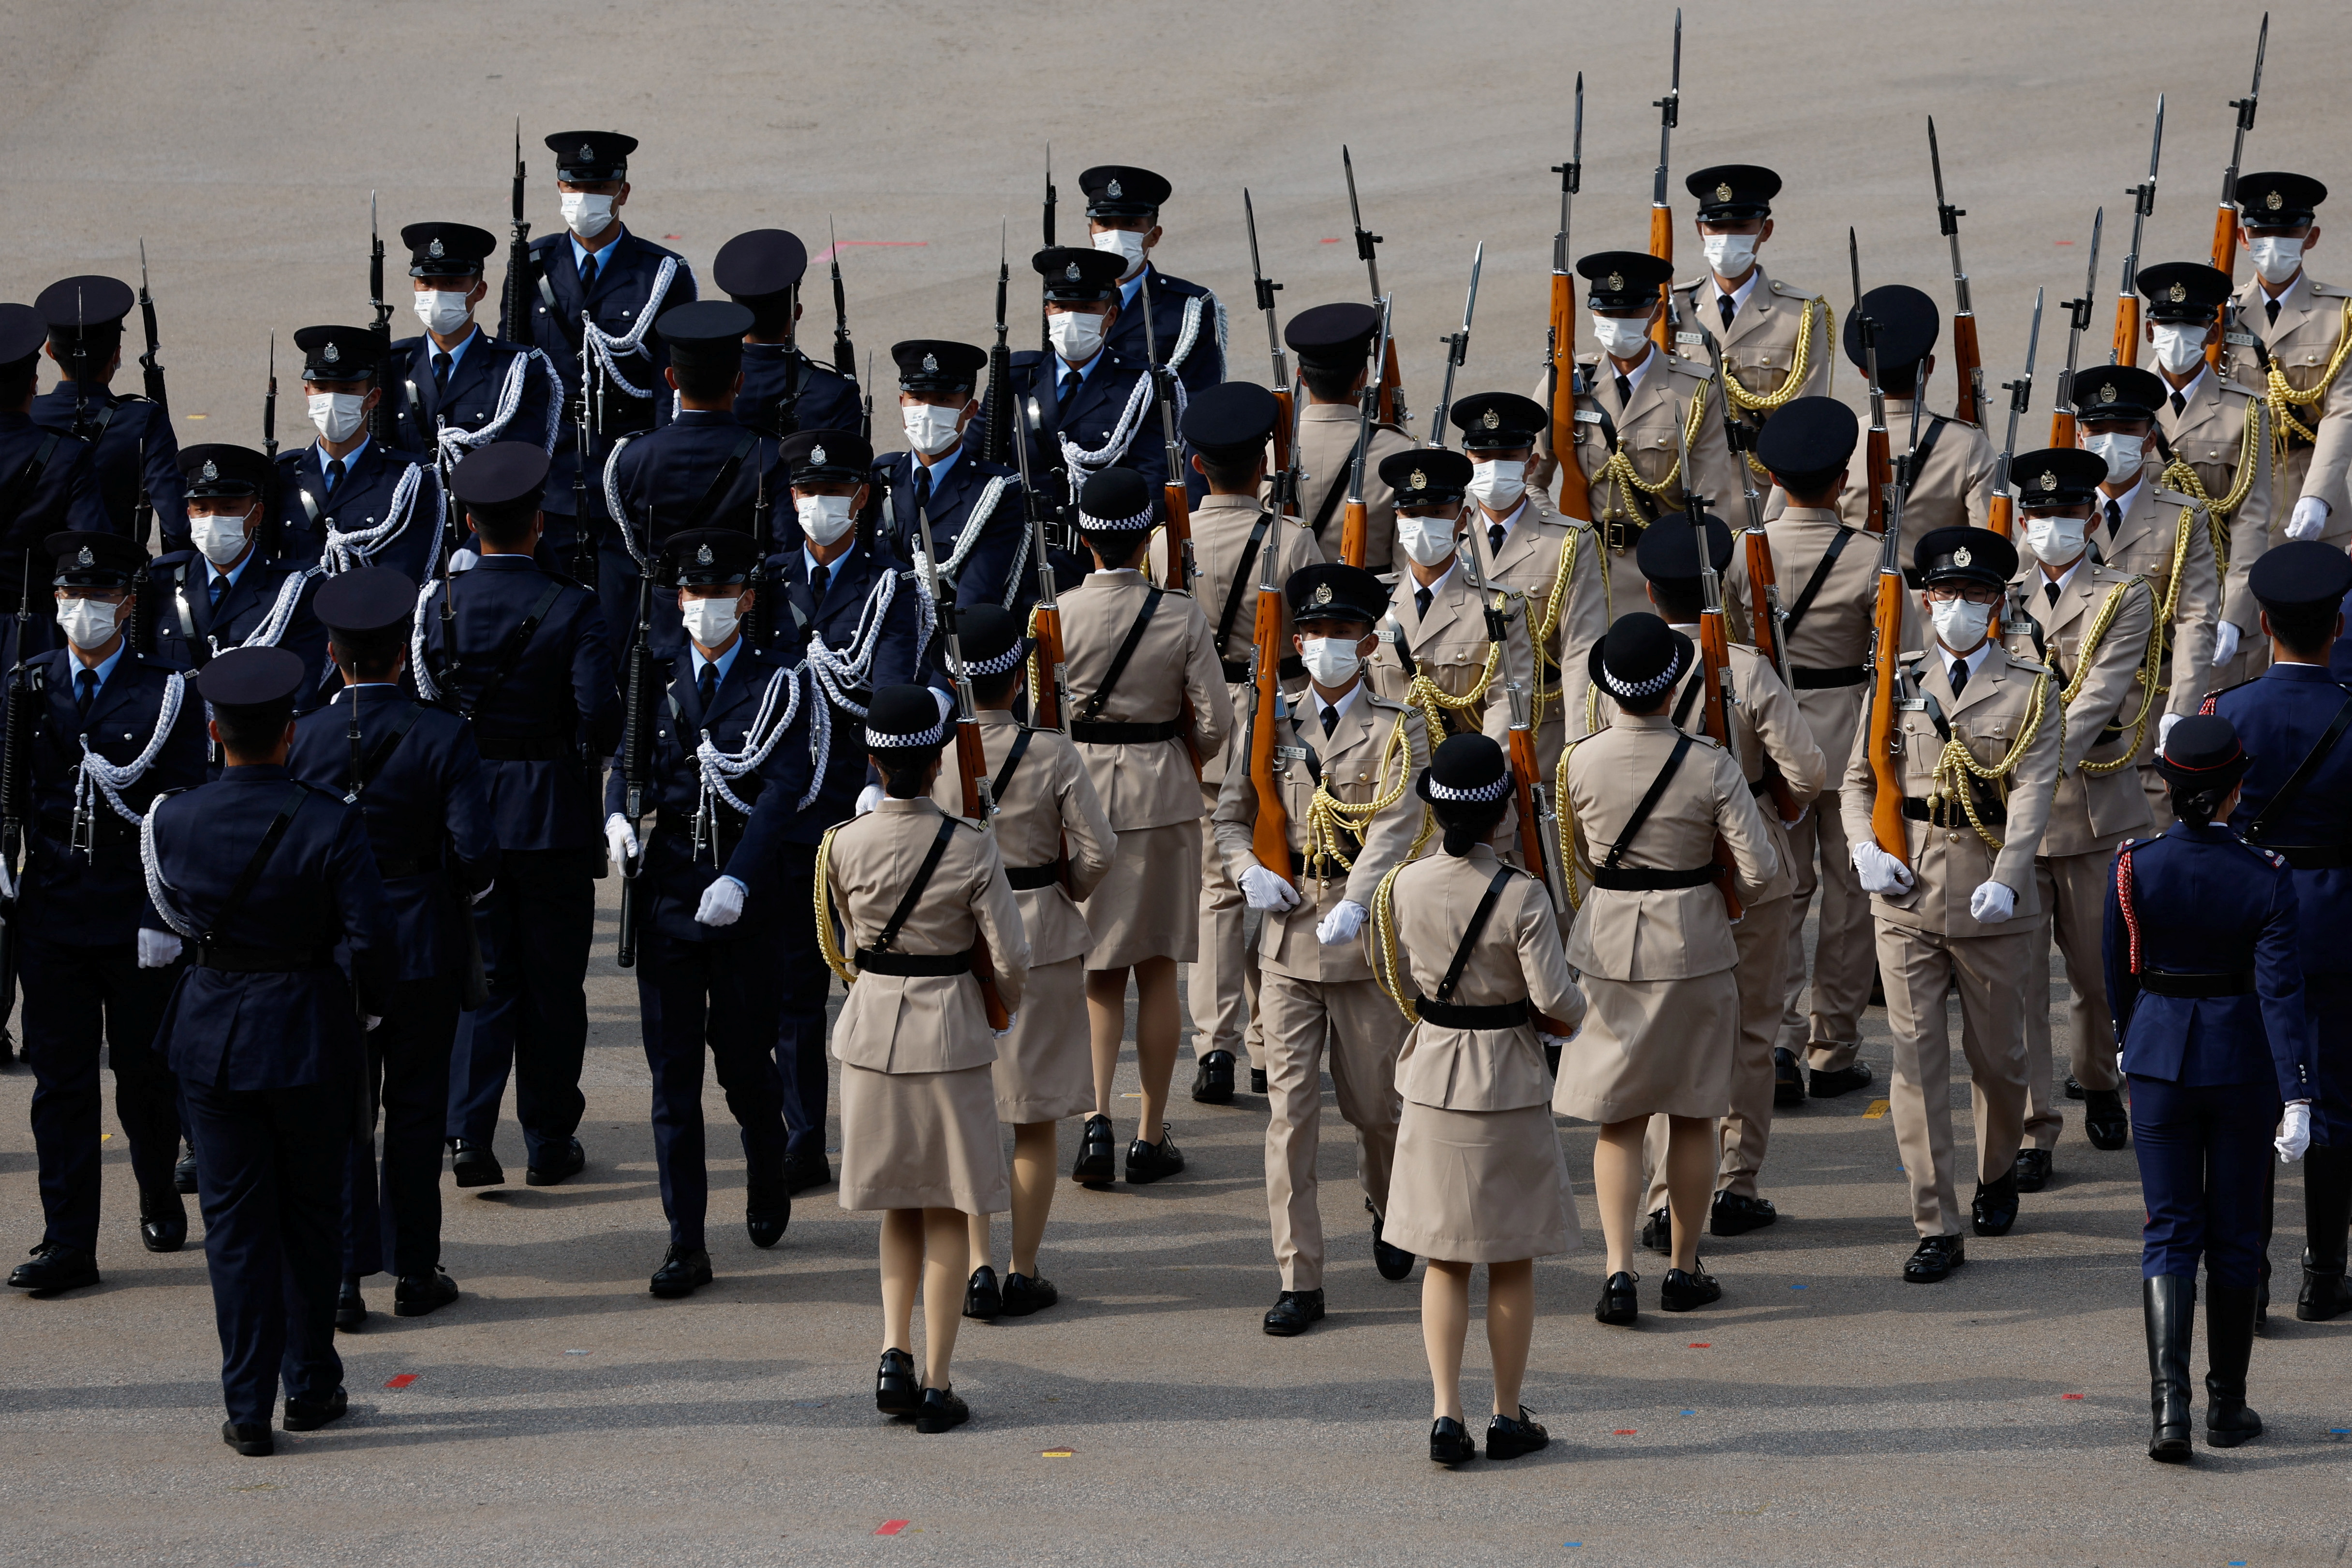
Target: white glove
[(2226, 638), (1341, 925), (620, 839), (1554, 1042), (2164, 726), (485, 893), (462, 561), (1992, 904), (2295, 1133), (157, 949), (722, 902), (868, 798), (2309, 518), (1266, 891), (1009, 1020), (371, 1022), (1880, 872)]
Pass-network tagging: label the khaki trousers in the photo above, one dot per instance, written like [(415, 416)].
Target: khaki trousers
[(1919, 967), (2073, 890), (1221, 988), (1365, 1031), (1841, 953), (1762, 939)]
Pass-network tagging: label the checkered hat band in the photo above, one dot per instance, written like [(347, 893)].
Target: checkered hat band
[(1010, 658), (1636, 690), (876, 741), (1479, 794), (1089, 524)]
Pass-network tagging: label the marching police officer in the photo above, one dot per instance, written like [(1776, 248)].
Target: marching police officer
[(519, 652), (350, 500), (258, 879), (1775, 338), (228, 589), (48, 482), (456, 377), (108, 730), (1188, 323), (975, 508), (783, 389), (1334, 345), (137, 456), (1951, 468), (1434, 636), (417, 777), (1089, 404), (2290, 322)]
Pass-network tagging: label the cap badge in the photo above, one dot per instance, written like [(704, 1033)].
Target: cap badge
[(330, 353), (930, 364), (2107, 392), (1614, 282), (1490, 420), (212, 472), (86, 558), (1071, 272), (1963, 556), (1322, 592), (1420, 481), (1723, 193), (433, 248), (1112, 190), (2049, 480), (816, 455), (2274, 201), (702, 556), (587, 152), (2176, 293)]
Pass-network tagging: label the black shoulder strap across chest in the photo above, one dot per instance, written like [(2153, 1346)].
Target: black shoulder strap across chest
[(906, 909), (1936, 423), (248, 879), (511, 653), (1813, 583), (1241, 578), (2300, 780), (1649, 802), (386, 742), (1331, 497), (20, 488), (1094, 707), (721, 482), (1012, 761), (1478, 918), (1689, 699)]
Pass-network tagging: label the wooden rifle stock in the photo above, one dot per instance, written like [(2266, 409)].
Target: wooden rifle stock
[(1355, 533), (1046, 702), (2001, 514), (1715, 660), (2125, 351), (971, 761), (1392, 386), (1662, 245), (1575, 491), (1764, 610), (1270, 834), (1880, 467), (1886, 822), (1969, 360), (1282, 425), (2225, 258), (2061, 428)]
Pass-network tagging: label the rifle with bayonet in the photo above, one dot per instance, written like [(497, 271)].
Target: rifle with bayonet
[(2078, 318), (1270, 833), (998, 434), (1390, 382), (1457, 349), (1175, 500), (845, 352), (1266, 291), (2225, 219), (2127, 344), (1716, 696), (1561, 380), (637, 699), (150, 369), (1661, 218), (2000, 513), (1049, 704), (379, 331), (1878, 466), (269, 406), (16, 803), (763, 541), (1967, 360), (1045, 332), (513, 298), (1356, 524)]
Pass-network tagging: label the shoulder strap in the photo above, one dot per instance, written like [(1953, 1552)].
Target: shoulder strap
[(1813, 588), (386, 742), (1689, 697), (1936, 423), (250, 876), (1470, 934), (1332, 498), (1649, 802), (1241, 580), (517, 640), (2297, 781), (719, 485), (1012, 761), (20, 488), (915, 888), (1118, 660)]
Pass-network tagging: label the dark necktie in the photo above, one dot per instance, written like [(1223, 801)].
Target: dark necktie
[(1066, 391), (1495, 534), (819, 576), (1625, 390), (587, 276), (705, 689), (441, 370), (86, 687), (1961, 666), (2271, 308), (334, 474), (1330, 719), (219, 587), (1723, 304), (2050, 591), (2114, 518), (1421, 597), (2179, 405), (923, 487)]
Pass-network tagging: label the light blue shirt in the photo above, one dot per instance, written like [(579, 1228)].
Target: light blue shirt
[(228, 579), (104, 669), (940, 468), (723, 663), (604, 254), (350, 459), (456, 355)]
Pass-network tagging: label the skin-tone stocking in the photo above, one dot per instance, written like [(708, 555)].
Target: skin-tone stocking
[(1445, 1324), (931, 1244), (1034, 1158), (1158, 1023)]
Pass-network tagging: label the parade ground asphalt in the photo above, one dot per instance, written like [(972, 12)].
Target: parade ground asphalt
[(1824, 1413)]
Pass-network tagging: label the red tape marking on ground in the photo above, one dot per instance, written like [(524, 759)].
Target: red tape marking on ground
[(1622, 1432), (2070, 1397), (403, 1381), (1701, 1345), (892, 1527)]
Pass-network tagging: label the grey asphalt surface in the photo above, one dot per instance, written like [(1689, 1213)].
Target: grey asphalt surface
[(1824, 1413)]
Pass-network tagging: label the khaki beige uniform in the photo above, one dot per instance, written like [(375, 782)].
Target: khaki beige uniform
[(2300, 343), (2091, 814), (1535, 550), (1327, 448), (1149, 905), (2144, 544), (1954, 488), (2208, 434), (1221, 988), (919, 1125), (1479, 1173), (1927, 939), (1760, 345), (1045, 812), (1829, 646), (1648, 430), (1448, 645), (1657, 966), (1310, 993)]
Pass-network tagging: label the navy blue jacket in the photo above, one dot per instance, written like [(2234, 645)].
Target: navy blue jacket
[(997, 556), (1204, 362), (556, 702), (64, 495), (189, 629), (136, 450), (669, 481), (476, 381), (93, 899), (361, 499), (2203, 901), (427, 816), (826, 399), (746, 848), (900, 656), (2280, 716), (1088, 420), (318, 890)]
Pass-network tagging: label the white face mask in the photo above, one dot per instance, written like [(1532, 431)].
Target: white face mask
[(1330, 661), (2054, 540), (711, 622), (337, 414), (1622, 336), (2121, 452), (824, 518), (2276, 256), (88, 623), (585, 215), (2178, 347), (1960, 625), (220, 537), (1729, 255), (1428, 539), (1498, 484), (1124, 243), (931, 428), (441, 310), (1077, 337)]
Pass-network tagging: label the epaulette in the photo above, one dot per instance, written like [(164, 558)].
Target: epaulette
[(2278, 861), (1787, 293), (2177, 498), (1377, 700), (2328, 290), (1698, 370)]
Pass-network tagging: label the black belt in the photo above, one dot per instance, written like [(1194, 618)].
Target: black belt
[(725, 822), (2176, 982), (1624, 879), (1810, 678), (236, 958), (1992, 811), (524, 748), (1100, 732), (2313, 856), (1030, 878), (1454, 1016), (873, 960)]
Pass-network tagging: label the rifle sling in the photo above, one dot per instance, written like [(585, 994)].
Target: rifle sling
[(899, 916), (1332, 498), (1012, 761), (250, 876), (1683, 704), (1649, 802), (1118, 660), (20, 488), (1813, 583), (2304, 771), (380, 753), (1471, 933), (512, 653), (1241, 577), (1936, 423), (720, 484)]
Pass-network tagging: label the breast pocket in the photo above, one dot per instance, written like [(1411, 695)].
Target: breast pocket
[(1988, 739)]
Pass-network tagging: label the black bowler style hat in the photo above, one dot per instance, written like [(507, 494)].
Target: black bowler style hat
[(826, 457), (1335, 591), (1498, 420), (1908, 324), (2183, 290), (706, 334), (336, 353), (1079, 276), (447, 250), (1427, 476), (2300, 572), (252, 680), (2271, 200), (1669, 551), (84, 309), (1116, 501), (1623, 279), (905, 718), (582, 156), (88, 559), (2118, 392), (1731, 192), (936, 364), (2202, 755), (992, 637), (1230, 420), (1333, 337), (500, 480), (367, 599), (1639, 658), (22, 334), (1809, 438), (2061, 476), (759, 264), (1967, 555), (709, 557), (1465, 769), (218, 469), (1120, 190)]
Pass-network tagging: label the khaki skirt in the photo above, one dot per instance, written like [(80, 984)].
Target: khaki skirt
[(1480, 1186), (1652, 1048), (1148, 904), (1046, 1066), (921, 1141)]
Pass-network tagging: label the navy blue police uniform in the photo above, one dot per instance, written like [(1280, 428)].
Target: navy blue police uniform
[(1180, 310), (783, 389), (978, 519), (375, 505), (431, 389), (48, 484), (136, 455)]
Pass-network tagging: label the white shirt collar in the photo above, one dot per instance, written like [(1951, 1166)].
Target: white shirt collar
[(2124, 502), (1340, 706), (2063, 580), (1488, 524), (1413, 585), (1633, 376), (1714, 292), (2187, 392), (2285, 296), (1974, 661)]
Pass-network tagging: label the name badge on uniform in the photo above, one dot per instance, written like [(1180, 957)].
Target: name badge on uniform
[(1588, 417), (2243, 340), (1691, 339), (1911, 705), (1293, 753)]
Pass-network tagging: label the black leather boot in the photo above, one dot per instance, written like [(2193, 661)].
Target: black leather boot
[(2229, 1345), (2327, 1207), (2169, 1304)]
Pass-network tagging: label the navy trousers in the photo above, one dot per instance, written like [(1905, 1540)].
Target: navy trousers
[(719, 996), (2204, 1171), (800, 1055), (535, 927), (2327, 997), (396, 1214), (78, 1000)]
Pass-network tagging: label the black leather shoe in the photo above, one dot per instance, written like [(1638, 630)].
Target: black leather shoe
[(684, 1270), (1619, 1305), (309, 1415), (2105, 1122), (895, 1393), (2074, 1089), (1393, 1262), (1684, 1290), (476, 1166), (2032, 1170), (351, 1306), (1658, 1231), (1257, 1081), (1994, 1207), (1097, 1165), (1294, 1312), (54, 1267), (983, 1297), (1735, 1215), (2325, 1296), (570, 1162), (1935, 1259), (804, 1172), (1147, 1163), (1450, 1442), (1788, 1083), (184, 1180), (943, 1411), (253, 1441), (1507, 1437), (1025, 1293), (767, 1210), (1829, 1083), (162, 1221), (414, 1295), (1213, 1084)]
